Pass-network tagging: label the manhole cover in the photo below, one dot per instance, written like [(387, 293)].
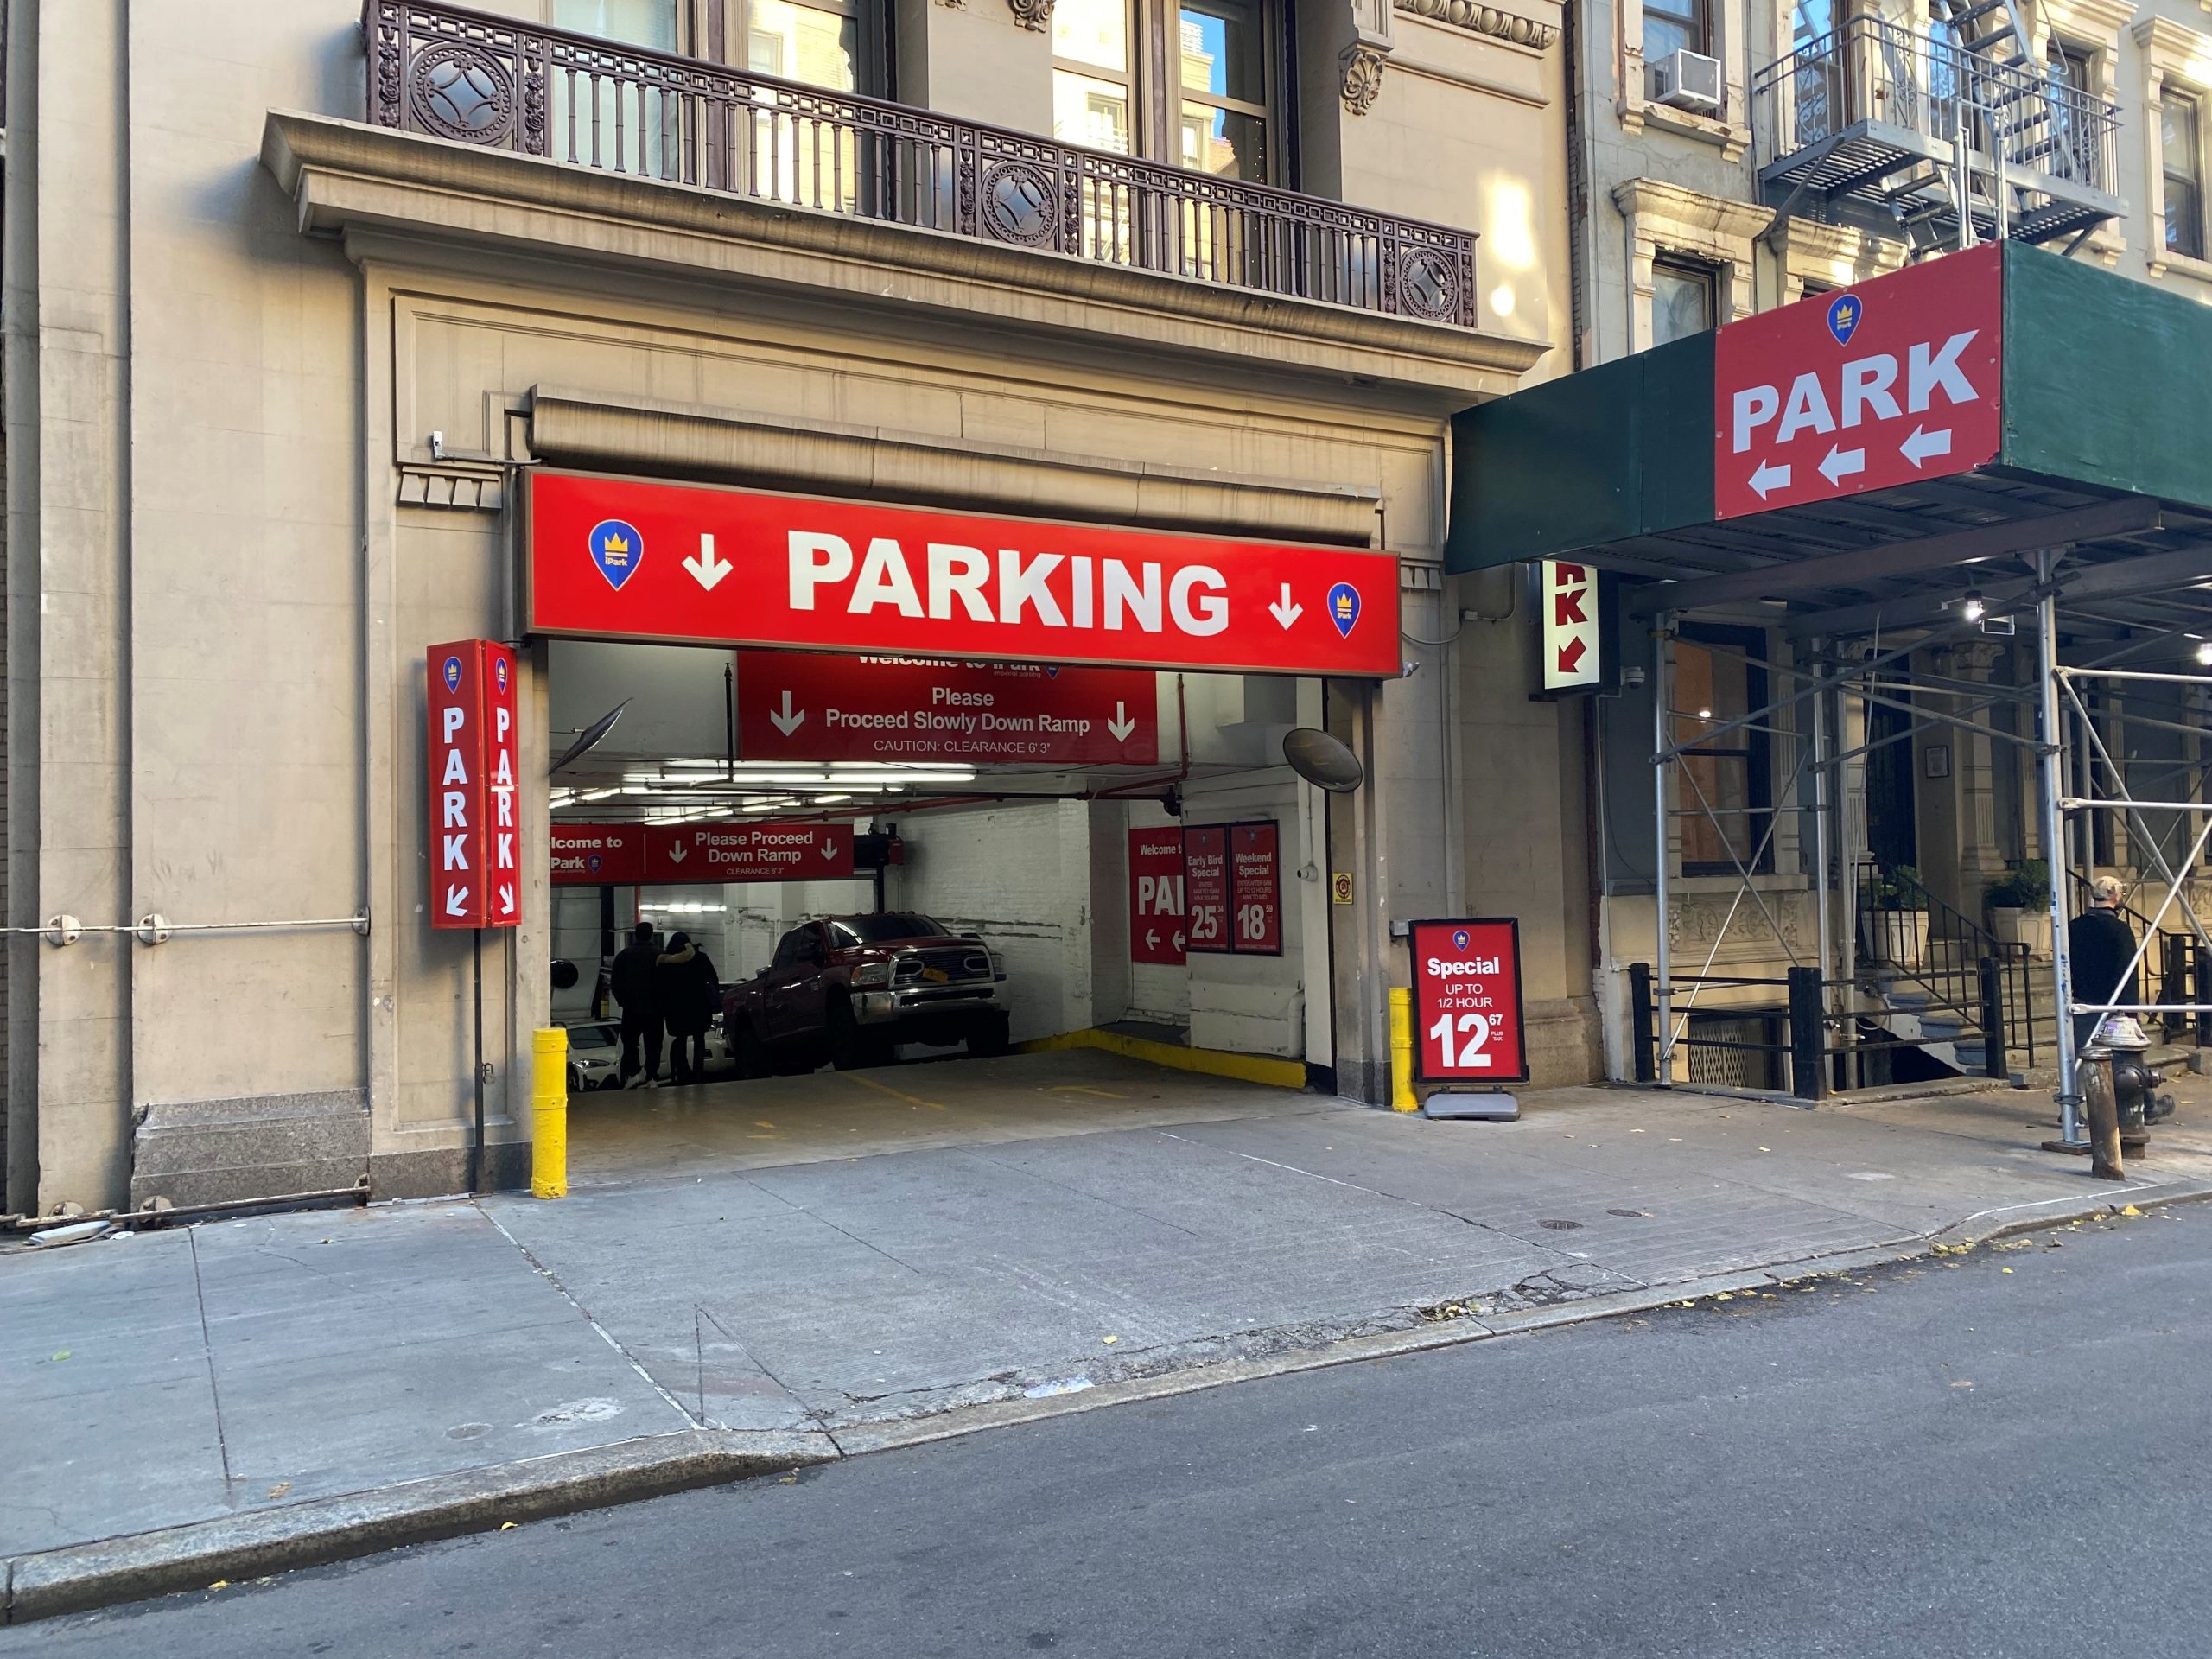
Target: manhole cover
[(1560, 1226), (1631, 1214)]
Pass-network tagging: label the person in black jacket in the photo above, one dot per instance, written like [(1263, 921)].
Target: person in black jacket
[(635, 980), (2100, 946), (689, 989)]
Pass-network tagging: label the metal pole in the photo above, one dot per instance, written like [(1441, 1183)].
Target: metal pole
[(1662, 825), (2071, 1138), (1820, 746), (476, 1145)]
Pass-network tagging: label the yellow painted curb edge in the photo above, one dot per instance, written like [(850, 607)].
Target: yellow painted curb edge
[(1215, 1062)]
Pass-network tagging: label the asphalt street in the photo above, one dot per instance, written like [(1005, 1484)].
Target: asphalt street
[(2003, 1454)]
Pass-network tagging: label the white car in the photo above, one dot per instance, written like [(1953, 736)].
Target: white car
[(596, 1055)]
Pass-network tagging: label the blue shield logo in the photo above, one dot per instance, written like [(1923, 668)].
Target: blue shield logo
[(1844, 312), (1343, 608), (449, 671), (1459, 938), (617, 550), (499, 672), (593, 861)]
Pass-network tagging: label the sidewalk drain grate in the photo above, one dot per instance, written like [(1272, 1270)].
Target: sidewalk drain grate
[(1562, 1226)]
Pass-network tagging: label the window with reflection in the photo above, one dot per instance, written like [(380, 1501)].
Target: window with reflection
[(1725, 795), (1685, 300), (2181, 137), (1192, 85)]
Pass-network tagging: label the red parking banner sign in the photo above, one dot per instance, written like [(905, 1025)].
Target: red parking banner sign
[(598, 855), (795, 705), (475, 874), (657, 855), (1255, 887), (1467, 1023), (1895, 380), (1156, 933), (1205, 870), (628, 559)]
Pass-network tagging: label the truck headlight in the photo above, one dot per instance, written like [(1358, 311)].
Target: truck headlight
[(872, 972)]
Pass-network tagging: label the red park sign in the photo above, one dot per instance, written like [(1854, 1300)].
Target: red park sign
[(625, 559), (1895, 380), (475, 878)]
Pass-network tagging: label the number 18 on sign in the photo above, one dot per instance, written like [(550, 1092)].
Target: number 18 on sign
[(1467, 1001)]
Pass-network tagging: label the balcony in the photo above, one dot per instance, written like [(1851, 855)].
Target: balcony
[(1869, 125), (493, 83)]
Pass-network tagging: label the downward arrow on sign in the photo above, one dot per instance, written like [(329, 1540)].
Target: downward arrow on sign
[(677, 854), (457, 901), (1121, 725), (787, 720), (706, 568), (828, 851), (1570, 654), (506, 899), (1283, 610)]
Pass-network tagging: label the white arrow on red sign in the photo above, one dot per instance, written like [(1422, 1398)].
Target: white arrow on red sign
[(1121, 725), (1768, 479), (787, 720), (457, 901), (1923, 443), (1284, 610), (707, 567), (1841, 463)]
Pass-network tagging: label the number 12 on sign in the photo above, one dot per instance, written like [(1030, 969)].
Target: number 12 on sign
[(1475, 1027)]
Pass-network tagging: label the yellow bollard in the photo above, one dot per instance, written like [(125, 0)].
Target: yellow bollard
[(1402, 1099), (549, 1114)]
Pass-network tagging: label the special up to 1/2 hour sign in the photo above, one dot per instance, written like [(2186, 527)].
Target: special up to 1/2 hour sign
[(475, 876), (630, 559), (1467, 1026)]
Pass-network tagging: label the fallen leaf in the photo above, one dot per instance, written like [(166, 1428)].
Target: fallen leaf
[(1724, 1296), (506, 1526), (2004, 1270), (1109, 1338), (1962, 1383), (63, 1355), (2129, 1209), (1766, 1149), (220, 1584), (280, 1488)]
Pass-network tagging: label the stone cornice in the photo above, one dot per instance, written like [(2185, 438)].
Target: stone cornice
[(1476, 19), (346, 177)]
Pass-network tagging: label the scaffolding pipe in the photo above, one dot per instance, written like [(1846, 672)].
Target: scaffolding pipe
[(2061, 968), (1818, 709), (1662, 829)]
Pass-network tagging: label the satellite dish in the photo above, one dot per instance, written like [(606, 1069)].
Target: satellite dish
[(1322, 760), (589, 738)]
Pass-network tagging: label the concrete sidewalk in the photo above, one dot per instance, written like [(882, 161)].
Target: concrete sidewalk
[(243, 1395)]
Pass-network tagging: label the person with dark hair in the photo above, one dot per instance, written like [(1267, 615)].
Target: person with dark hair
[(689, 989), (635, 981)]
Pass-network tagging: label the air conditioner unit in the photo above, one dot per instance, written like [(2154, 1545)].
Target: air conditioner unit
[(1688, 81)]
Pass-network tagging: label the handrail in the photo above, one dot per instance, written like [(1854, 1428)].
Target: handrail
[(502, 82), (1867, 69)]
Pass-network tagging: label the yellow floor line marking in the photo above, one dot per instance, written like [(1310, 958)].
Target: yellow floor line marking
[(886, 1089), (1078, 1089)]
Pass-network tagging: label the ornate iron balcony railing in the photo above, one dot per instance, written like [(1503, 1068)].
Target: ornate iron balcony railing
[(476, 79)]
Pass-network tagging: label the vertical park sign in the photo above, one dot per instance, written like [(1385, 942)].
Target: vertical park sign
[(475, 878)]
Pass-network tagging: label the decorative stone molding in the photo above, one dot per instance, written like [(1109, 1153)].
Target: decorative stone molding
[(1484, 20), (1030, 14), (1362, 66)]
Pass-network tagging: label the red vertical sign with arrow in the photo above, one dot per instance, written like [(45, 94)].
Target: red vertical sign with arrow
[(1156, 897), (475, 871)]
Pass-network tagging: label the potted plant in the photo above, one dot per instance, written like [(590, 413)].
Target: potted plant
[(1898, 919), (2019, 906)]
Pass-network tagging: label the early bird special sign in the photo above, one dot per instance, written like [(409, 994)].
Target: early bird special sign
[(1467, 1025), (626, 559), (475, 875), (1897, 379)]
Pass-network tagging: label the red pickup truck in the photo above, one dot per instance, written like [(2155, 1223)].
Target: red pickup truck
[(848, 989)]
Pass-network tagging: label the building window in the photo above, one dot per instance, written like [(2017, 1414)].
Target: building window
[(1672, 26), (2074, 134), (1684, 300), (2182, 138), (1725, 796), (1189, 85)]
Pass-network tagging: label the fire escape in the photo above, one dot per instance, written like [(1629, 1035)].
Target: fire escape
[(1941, 139)]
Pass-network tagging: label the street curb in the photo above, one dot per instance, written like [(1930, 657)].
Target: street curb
[(313, 1533), (316, 1532), (1979, 1228)]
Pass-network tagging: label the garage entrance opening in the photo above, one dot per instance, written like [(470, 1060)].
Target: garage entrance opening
[(969, 885)]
